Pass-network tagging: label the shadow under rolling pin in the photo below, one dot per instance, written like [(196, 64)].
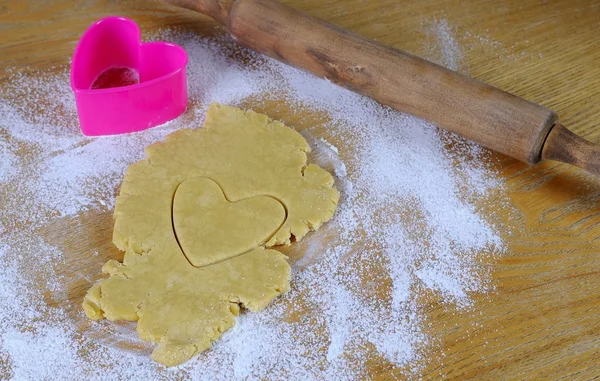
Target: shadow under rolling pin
[(489, 116)]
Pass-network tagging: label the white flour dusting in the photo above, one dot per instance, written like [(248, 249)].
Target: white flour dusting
[(446, 51), (8, 162), (407, 224)]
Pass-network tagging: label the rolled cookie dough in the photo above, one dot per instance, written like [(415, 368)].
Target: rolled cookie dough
[(184, 308)]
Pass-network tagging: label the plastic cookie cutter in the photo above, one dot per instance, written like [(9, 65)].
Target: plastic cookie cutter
[(124, 85)]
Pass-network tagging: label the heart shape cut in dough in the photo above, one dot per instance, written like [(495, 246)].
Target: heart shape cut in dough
[(211, 229)]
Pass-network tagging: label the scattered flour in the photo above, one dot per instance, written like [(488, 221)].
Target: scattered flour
[(446, 51), (408, 223)]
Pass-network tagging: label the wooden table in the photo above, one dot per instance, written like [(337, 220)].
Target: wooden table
[(542, 321)]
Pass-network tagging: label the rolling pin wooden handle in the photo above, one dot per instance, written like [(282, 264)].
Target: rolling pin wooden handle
[(567, 147), (475, 110)]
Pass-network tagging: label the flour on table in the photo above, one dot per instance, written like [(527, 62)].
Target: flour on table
[(354, 295)]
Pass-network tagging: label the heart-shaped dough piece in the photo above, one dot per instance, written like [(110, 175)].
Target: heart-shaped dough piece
[(211, 229)]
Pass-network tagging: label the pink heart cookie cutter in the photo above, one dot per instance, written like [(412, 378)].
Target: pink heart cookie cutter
[(159, 96)]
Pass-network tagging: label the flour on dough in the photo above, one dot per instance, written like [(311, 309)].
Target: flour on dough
[(183, 308)]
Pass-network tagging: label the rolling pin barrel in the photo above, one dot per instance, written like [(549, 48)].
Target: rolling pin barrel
[(494, 118), (482, 113)]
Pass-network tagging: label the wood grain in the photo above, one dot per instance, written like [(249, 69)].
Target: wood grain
[(217, 9), (542, 319)]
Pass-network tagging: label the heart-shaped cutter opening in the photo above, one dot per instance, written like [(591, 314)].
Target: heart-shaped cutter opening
[(160, 95)]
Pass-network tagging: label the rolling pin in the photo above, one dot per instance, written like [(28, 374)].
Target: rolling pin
[(489, 116)]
